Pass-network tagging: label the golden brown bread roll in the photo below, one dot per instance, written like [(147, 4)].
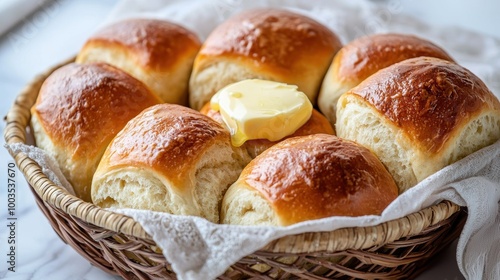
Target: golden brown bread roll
[(420, 115), (308, 177), (363, 57), (156, 52), (79, 109), (316, 124), (169, 159), (268, 44)]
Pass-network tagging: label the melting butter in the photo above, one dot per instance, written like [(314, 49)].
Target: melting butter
[(260, 109)]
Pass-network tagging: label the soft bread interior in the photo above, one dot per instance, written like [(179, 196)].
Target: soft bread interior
[(359, 121), (207, 80), (78, 172), (243, 206), (205, 83), (475, 133), (131, 188), (45, 143), (478, 133), (331, 90), (201, 194)]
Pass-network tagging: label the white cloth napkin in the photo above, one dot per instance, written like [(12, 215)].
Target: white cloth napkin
[(14, 11), (198, 249)]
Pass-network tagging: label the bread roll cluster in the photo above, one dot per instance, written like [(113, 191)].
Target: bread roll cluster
[(390, 110)]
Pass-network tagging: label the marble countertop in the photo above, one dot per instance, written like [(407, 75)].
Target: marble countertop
[(56, 32)]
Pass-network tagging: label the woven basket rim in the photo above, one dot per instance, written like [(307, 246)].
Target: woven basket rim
[(18, 119)]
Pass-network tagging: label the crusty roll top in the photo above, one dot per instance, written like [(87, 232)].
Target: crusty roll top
[(272, 38), (156, 44), (366, 55), (171, 145), (82, 107), (158, 53), (438, 97), (271, 44), (318, 176)]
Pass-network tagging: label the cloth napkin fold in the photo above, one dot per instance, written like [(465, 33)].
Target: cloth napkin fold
[(198, 249), (14, 11)]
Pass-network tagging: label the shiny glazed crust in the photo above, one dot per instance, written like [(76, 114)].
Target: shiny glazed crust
[(420, 115), (316, 176), (158, 53), (169, 139), (271, 44), (155, 44), (363, 57), (427, 98), (169, 158), (79, 109)]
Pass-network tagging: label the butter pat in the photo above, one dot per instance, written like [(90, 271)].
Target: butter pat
[(259, 109)]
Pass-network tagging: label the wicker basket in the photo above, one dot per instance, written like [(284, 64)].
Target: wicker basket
[(398, 249)]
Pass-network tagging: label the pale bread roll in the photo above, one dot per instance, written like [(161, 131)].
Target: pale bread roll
[(170, 159), (308, 177), (268, 44), (79, 109), (157, 52), (363, 57), (419, 116)]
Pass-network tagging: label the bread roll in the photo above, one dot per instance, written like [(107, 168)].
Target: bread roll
[(169, 159), (268, 44), (316, 124), (419, 116), (79, 109), (308, 177), (363, 57), (156, 52)]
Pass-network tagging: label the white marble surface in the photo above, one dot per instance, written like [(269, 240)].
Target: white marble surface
[(55, 33)]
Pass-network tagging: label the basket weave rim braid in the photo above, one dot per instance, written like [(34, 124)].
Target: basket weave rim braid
[(391, 250)]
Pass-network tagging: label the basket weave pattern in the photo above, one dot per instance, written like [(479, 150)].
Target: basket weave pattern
[(398, 249)]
